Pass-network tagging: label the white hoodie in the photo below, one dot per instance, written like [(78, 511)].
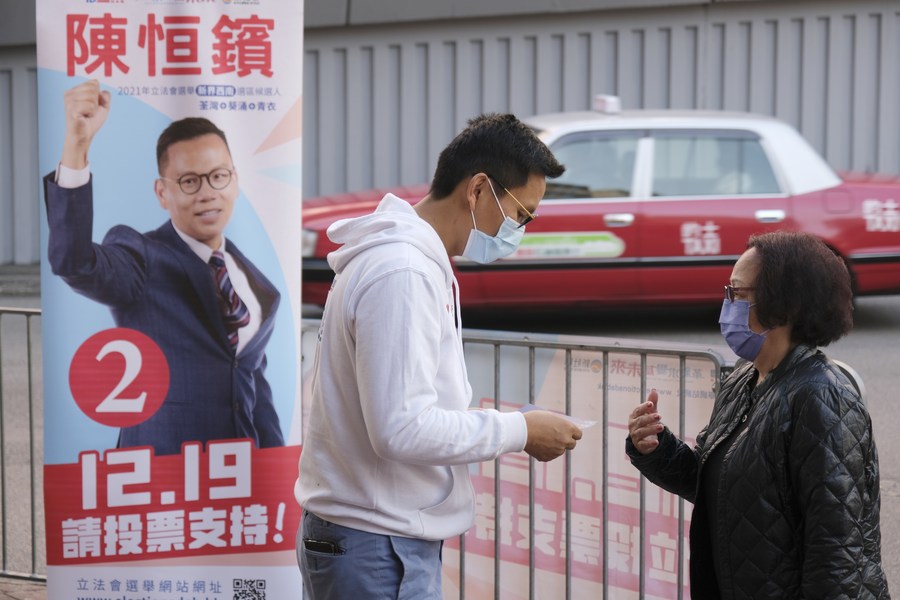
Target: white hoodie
[(389, 435)]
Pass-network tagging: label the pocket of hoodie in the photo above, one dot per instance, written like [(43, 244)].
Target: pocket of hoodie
[(458, 497)]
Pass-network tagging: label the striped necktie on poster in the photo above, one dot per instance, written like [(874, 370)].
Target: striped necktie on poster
[(233, 308)]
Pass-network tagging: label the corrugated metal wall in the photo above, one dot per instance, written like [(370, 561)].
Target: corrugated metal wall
[(19, 180), (381, 102)]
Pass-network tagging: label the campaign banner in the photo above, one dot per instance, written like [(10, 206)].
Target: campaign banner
[(594, 527), (170, 296)]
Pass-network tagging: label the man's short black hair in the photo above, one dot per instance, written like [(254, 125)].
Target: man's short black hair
[(803, 282), (498, 145), (182, 130)]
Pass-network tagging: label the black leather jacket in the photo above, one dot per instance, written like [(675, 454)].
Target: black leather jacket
[(798, 494)]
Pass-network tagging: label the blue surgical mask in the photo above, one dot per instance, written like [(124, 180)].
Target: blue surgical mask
[(734, 322), (484, 248)]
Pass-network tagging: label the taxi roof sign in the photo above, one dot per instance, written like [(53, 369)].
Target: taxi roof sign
[(608, 104)]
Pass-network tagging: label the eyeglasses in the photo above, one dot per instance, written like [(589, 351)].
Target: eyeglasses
[(531, 216), (730, 291), (191, 183)]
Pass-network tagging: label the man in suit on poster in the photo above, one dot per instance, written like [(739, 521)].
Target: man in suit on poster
[(206, 306)]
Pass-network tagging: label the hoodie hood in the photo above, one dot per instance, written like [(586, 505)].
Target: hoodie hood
[(393, 221)]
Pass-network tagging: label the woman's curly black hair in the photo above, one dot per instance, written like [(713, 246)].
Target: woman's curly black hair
[(802, 282)]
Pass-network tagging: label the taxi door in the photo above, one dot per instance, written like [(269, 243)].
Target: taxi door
[(582, 247), (706, 193)]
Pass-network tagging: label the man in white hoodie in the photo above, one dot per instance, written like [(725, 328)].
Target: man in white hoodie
[(383, 474)]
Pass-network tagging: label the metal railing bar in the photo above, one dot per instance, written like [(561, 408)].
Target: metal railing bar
[(5, 471), (568, 487), (604, 540), (682, 405), (462, 567), (642, 519), (31, 430), (532, 582), (497, 516)]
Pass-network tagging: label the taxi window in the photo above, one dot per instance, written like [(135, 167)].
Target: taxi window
[(598, 165), (710, 163)]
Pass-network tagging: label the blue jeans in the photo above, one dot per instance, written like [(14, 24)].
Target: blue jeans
[(338, 563)]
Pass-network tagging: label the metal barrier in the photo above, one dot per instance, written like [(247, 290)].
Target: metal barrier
[(21, 445), (586, 525)]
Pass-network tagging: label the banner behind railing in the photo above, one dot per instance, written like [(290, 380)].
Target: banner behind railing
[(170, 444), (586, 526)]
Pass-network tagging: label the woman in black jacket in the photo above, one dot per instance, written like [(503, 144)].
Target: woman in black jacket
[(784, 478)]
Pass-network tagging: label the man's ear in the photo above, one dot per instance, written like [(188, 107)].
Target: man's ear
[(159, 187), (474, 188)]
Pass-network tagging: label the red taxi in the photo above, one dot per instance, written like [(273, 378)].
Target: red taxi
[(655, 207)]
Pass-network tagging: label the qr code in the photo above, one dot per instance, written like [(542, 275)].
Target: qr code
[(249, 589)]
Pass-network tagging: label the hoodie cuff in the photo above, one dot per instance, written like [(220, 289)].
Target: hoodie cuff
[(515, 431)]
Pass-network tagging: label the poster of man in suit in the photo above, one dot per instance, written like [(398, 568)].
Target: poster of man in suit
[(170, 138), (163, 283)]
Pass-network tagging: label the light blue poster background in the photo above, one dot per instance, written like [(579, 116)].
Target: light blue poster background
[(123, 167)]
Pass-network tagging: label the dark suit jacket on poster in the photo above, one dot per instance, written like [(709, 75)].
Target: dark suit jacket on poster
[(154, 283)]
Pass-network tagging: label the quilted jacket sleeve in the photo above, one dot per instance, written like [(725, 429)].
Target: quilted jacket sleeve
[(672, 466), (832, 465)]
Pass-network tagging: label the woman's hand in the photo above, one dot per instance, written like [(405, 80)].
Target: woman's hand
[(645, 424)]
